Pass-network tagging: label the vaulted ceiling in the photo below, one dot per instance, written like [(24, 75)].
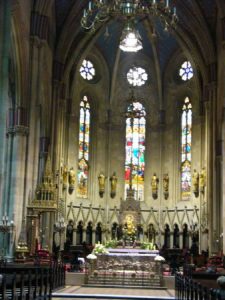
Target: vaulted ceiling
[(194, 33)]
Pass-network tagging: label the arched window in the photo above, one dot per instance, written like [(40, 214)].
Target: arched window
[(135, 149), (83, 157), (186, 137)]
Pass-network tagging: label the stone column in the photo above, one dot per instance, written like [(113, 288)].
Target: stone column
[(5, 39), (18, 146), (39, 32), (210, 167)]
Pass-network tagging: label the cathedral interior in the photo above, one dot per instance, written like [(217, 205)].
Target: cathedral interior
[(95, 138)]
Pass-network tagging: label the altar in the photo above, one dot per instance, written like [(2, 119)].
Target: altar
[(126, 267)]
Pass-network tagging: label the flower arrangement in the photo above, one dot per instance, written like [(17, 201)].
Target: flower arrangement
[(100, 249), (91, 256), (148, 246), (111, 244), (159, 258)]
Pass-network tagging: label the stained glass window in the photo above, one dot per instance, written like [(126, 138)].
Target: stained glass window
[(137, 76), (84, 137), (135, 149), (87, 70), (186, 71), (186, 136)]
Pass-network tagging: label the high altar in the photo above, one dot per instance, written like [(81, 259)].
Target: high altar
[(128, 265)]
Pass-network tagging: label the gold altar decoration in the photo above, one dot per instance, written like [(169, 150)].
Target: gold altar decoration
[(45, 200), (166, 186), (129, 230), (101, 184), (195, 183), (113, 180), (202, 180), (154, 184), (45, 194), (21, 252)]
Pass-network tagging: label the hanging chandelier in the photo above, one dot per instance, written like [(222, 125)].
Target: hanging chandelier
[(130, 39), (100, 11)]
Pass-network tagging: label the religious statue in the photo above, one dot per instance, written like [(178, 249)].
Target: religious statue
[(154, 183), (113, 180), (195, 183), (202, 180), (166, 186), (151, 234), (101, 184), (69, 233), (72, 177), (129, 230), (65, 176)]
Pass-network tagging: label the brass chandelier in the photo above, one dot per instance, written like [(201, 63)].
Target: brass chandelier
[(99, 11)]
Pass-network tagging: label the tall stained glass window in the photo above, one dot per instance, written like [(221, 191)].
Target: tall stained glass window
[(186, 136), (135, 149), (83, 158)]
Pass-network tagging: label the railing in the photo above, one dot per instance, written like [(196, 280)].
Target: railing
[(188, 289), (29, 282)]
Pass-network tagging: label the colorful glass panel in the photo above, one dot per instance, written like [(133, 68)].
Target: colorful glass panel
[(83, 156), (186, 71), (87, 70), (186, 137), (135, 149)]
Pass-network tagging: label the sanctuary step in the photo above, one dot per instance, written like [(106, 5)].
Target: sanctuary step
[(125, 280)]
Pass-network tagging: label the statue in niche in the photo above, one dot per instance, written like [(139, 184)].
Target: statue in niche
[(69, 232), (101, 184), (72, 179), (195, 183), (151, 233), (154, 184), (113, 180), (65, 176), (166, 186), (129, 230), (202, 180)]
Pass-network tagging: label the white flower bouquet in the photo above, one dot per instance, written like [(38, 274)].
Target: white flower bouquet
[(91, 256), (159, 258), (100, 249)]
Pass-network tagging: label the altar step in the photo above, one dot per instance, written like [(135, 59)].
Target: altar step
[(125, 281)]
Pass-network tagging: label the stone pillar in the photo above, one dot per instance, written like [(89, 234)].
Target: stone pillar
[(17, 134), (58, 134), (39, 31), (5, 39), (210, 155)]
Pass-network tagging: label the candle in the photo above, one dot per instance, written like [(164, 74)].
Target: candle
[(174, 10), (89, 5), (167, 3)]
